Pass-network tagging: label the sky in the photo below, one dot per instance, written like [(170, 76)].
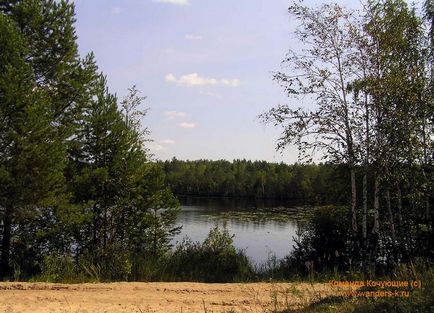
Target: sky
[(205, 67)]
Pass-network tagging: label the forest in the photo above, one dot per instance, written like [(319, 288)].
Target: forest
[(305, 183), (82, 199)]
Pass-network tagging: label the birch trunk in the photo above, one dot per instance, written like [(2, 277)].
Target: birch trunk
[(353, 200), (365, 204), (391, 221)]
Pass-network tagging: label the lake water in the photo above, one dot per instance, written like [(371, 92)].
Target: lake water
[(259, 234)]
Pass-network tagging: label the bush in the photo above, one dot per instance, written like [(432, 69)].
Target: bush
[(323, 245), (215, 260), (64, 268), (115, 265), (150, 268), (58, 268), (328, 237)]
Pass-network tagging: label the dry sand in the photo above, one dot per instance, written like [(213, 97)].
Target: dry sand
[(157, 297)]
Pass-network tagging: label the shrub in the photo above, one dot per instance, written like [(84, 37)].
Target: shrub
[(323, 244), (215, 260), (64, 268), (58, 268)]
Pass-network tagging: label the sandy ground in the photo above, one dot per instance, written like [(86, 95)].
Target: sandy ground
[(157, 297)]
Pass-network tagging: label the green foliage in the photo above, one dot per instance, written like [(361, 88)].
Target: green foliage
[(370, 75), (311, 183), (322, 248), (327, 236), (130, 212), (32, 156), (77, 191), (58, 268), (63, 268), (215, 260)]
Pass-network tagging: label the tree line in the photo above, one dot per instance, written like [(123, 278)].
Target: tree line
[(308, 183), (76, 182)]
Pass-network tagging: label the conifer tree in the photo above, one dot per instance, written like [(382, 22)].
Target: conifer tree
[(32, 155)]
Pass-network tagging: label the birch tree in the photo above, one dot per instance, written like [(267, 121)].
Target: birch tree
[(397, 87), (320, 72)]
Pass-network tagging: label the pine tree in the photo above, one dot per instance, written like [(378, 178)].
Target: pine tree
[(32, 156), (44, 87)]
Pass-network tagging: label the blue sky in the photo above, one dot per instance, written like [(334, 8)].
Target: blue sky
[(205, 67)]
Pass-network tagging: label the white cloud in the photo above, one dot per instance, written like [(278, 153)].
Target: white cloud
[(170, 78), (192, 37), (194, 79), (231, 82), (187, 125), (115, 10), (174, 114), (168, 141), (176, 2), (157, 148)]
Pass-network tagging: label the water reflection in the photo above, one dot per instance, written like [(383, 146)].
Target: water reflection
[(258, 237)]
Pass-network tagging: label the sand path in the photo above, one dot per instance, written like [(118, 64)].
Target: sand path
[(156, 297)]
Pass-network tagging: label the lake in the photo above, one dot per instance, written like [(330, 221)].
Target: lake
[(256, 231)]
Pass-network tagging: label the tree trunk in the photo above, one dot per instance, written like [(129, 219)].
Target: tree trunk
[(366, 169), (365, 204), (399, 195), (95, 229), (5, 269), (391, 221), (425, 163), (104, 242), (392, 225), (376, 227), (353, 200)]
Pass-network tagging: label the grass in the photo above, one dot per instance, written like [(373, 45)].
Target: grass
[(420, 300)]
